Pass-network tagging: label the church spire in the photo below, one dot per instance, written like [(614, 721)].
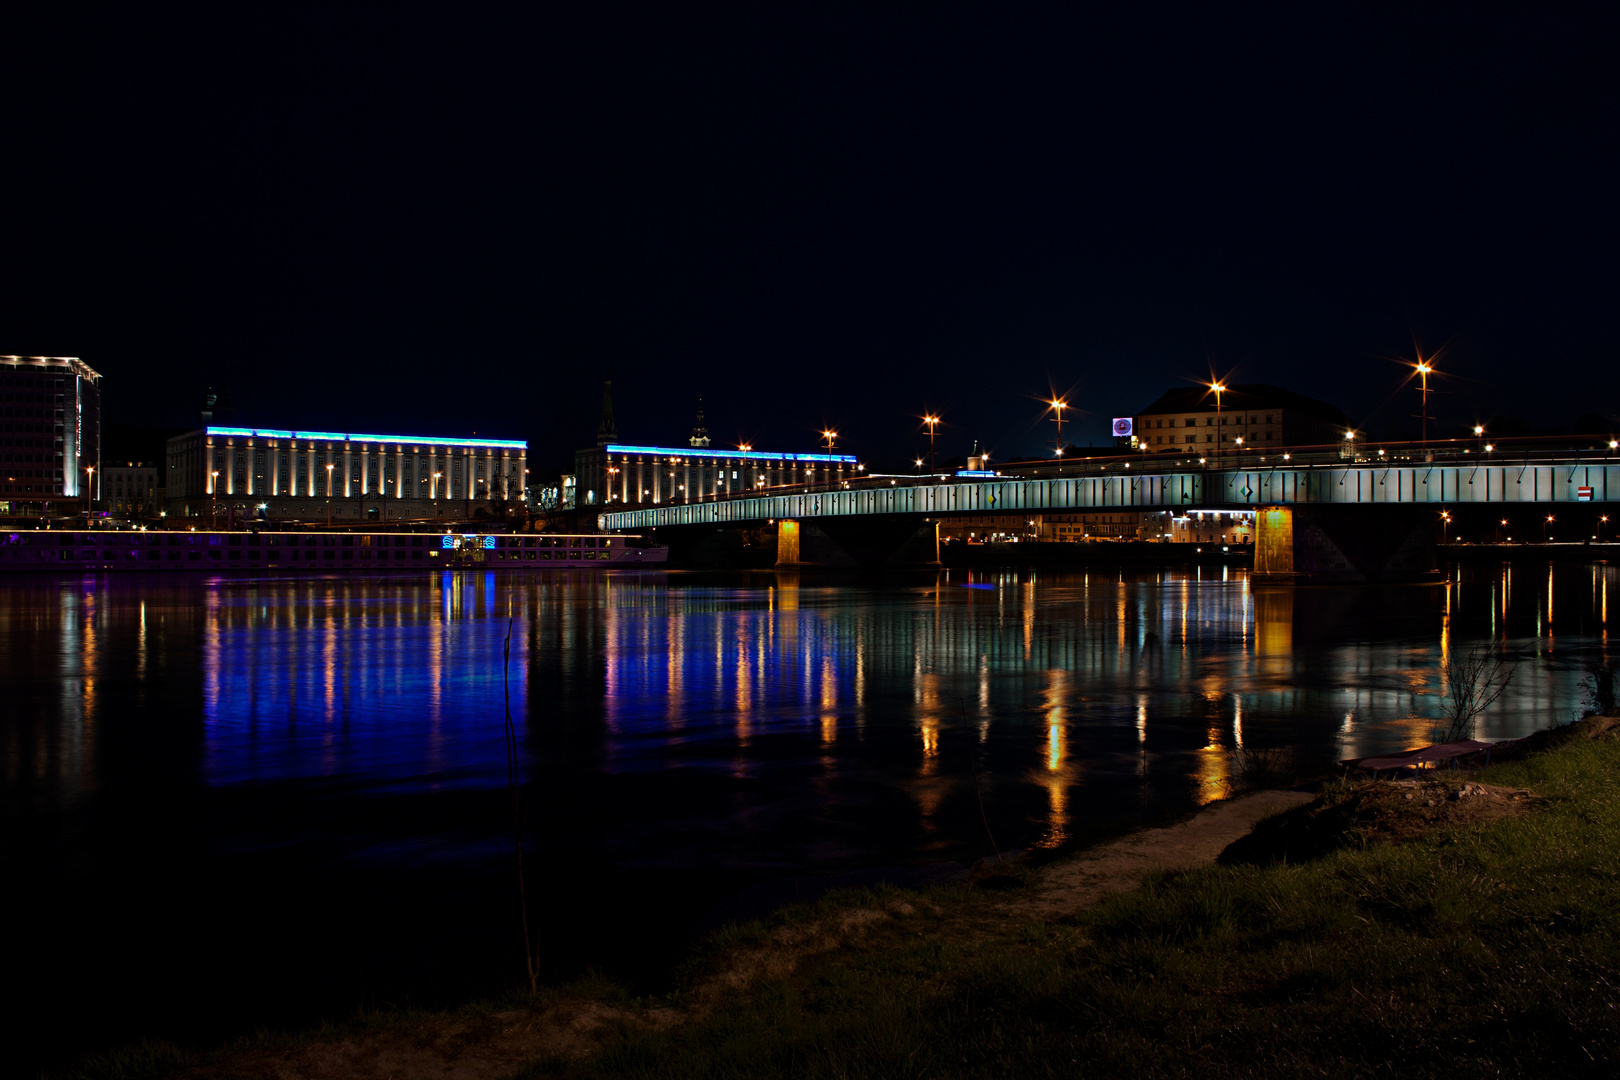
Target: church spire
[(700, 431), (607, 431)]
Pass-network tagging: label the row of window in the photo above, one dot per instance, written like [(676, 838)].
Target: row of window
[(1157, 439), (1209, 421)]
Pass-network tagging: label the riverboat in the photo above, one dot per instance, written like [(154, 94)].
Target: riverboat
[(320, 551)]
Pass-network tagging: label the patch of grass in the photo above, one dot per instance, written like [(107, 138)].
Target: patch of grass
[(1485, 949)]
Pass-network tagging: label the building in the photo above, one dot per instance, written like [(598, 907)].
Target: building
[(613, 474), (1252, 418), (240, 474), (130, 490), (51, 434)]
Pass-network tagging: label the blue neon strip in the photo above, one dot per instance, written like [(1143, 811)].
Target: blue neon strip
[(976, 472), (752, 455), (342, 436)]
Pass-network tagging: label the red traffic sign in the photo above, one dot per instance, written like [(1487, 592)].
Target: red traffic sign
[(1583, 494)]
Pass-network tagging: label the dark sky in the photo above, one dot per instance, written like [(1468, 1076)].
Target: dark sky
[(452, 219)]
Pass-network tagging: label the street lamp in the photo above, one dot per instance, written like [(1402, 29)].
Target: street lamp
[(329, 469), (1602, 521), (1423, 370), (89, 486), (1219, 388), (1445, 526), (932, 421), (1546, 530), (436, 477), (830, 436), (213, 492), (1058, 405)]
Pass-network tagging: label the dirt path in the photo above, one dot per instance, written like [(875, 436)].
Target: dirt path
[(1072, 886)]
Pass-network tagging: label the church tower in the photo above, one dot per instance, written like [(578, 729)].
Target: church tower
[(700, 431), (607, 431)]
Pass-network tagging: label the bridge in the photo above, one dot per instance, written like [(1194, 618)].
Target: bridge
[(1326, 499)]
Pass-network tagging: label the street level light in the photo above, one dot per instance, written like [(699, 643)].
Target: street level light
[(1058, 405), (1219, 388), (1423, 370)]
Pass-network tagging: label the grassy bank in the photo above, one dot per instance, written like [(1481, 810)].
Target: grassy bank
[(1489, 950), (1482, 949)]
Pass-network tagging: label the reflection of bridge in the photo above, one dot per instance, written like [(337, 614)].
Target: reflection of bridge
[(882, 521)]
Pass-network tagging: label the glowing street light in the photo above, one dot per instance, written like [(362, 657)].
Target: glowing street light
[(1423, 370), (89, 486), (1218, 388), (1546, 529), (1602, 521), (933, 422), (1057, 406)]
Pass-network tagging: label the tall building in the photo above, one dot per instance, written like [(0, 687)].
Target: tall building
[(51, 433), (614, 474), (1251, 418), (279, 475)]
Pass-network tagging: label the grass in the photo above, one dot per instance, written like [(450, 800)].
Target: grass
[(1483, 951), (1486, 950)]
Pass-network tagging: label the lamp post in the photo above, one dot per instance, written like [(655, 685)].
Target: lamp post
[(1603, 519), (1479, 434), (830, 437), (1219, 388), (1058, 405), (213, 493), (1445, 526), (89, 487), (436, 477), (1423, 370), (1546, 528), (933, 422), (329, 469)]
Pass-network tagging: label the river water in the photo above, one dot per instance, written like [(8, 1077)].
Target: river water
[(231, 802)]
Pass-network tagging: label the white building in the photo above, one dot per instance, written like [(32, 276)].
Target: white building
[(281, 475), (50, 434)]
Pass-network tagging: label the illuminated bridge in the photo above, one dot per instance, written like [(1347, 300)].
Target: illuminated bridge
[(1334, 503)]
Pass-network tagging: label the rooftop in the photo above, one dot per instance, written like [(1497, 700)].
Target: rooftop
[(356, 437), (79, 367), (747, 455)]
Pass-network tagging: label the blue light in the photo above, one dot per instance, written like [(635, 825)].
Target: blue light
[(489, 543), (751, 455), (341, 436), (976, 472), (447, 542)]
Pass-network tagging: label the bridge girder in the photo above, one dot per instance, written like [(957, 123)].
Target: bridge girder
[(1353, 485)]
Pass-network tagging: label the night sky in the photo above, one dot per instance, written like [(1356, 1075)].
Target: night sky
[(453, 219)]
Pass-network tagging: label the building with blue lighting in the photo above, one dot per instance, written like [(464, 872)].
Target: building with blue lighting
[(241, 474), (612, 473)]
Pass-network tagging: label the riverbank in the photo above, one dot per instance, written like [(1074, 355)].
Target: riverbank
[(1479, 946)]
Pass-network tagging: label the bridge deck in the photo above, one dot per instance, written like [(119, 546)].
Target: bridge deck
[(1125, 488)]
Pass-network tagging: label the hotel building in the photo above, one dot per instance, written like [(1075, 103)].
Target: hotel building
[(50, 434), (311, 475)]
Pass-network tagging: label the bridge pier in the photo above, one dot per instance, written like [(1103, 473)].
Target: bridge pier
[(857, 542), (1326, 544)]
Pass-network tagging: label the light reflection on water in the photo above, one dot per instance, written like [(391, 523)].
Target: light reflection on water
[(1103, 695)]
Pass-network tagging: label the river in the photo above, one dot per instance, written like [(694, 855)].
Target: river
[(234, 802)]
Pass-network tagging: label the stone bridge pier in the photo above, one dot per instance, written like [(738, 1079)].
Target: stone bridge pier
[(867, 542), (1327, 544)]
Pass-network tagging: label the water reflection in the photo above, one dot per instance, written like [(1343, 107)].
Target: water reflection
[(1143, 683)]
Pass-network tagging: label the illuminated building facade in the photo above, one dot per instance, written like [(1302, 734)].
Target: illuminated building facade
[(613, 474), (1252, 418), (311, 475), (51, 433)]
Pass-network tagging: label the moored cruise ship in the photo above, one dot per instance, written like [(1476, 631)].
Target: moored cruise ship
[(311, 551)]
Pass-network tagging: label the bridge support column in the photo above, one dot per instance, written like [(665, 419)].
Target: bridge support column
[(1316, 544), (1274, 546), (787, 544)]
